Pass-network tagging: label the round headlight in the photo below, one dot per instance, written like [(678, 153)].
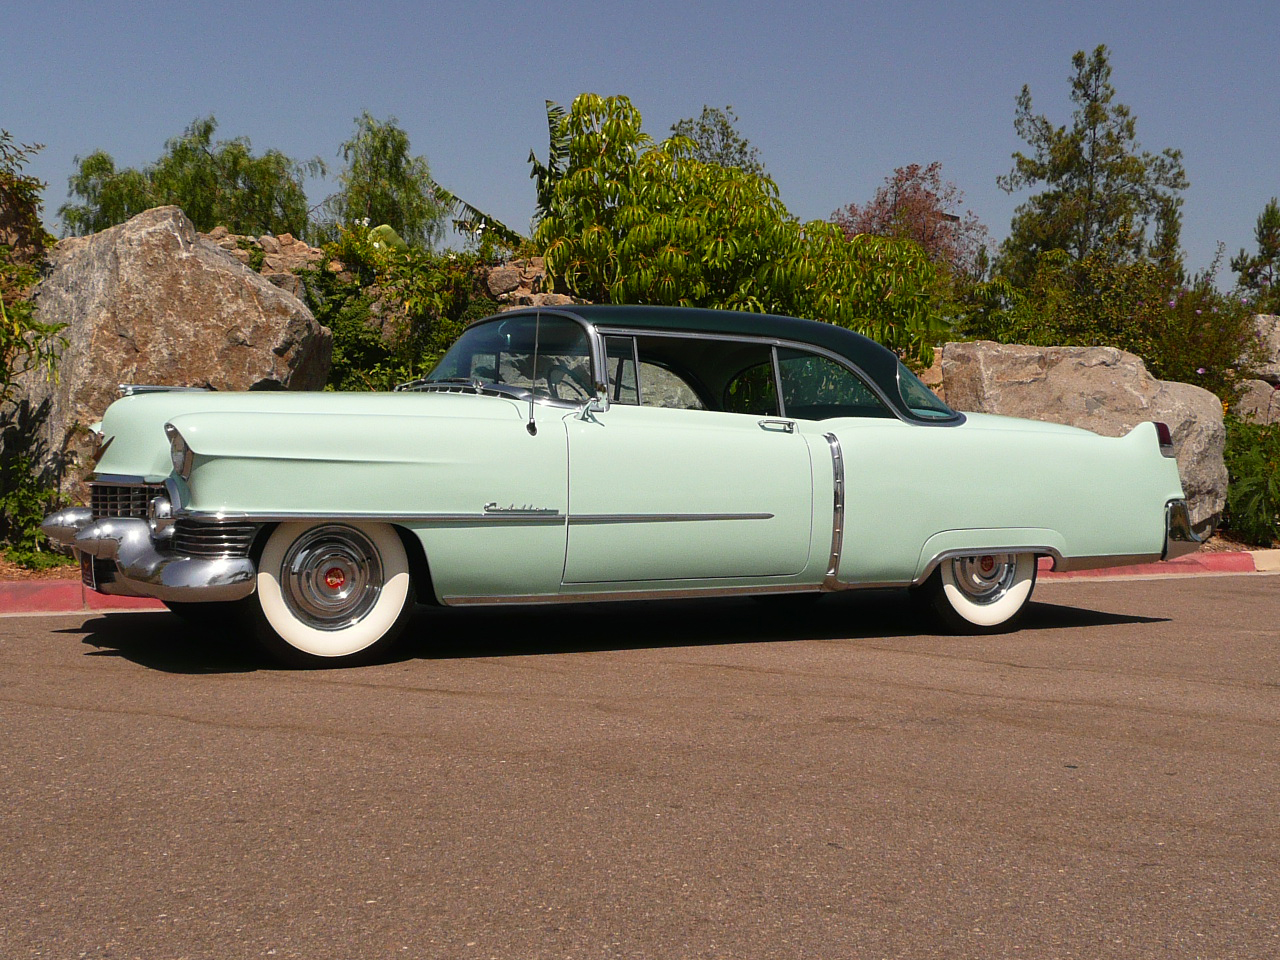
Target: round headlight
[(179, 453)]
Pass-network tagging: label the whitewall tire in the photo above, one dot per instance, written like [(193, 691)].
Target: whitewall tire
[(980, 593), (332, 593)]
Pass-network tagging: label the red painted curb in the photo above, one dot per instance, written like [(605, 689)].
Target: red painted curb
[(41, 596), (64, 596), (1236, 562)]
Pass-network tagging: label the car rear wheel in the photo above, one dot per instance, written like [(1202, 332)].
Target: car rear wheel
[(332, 594), (980, 593)]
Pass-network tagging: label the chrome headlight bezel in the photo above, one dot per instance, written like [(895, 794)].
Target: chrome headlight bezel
[(180, 454)]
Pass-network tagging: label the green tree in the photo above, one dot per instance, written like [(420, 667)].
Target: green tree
[(634, 222), (1099, 191), (546, 176), (383, 182), (714, 133), (1259, 273), (220, 183)]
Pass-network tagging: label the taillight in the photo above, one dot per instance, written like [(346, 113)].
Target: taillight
[(1165, 437)]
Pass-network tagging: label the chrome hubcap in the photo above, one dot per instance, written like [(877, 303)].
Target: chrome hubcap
[(985, 578), (331, 577)]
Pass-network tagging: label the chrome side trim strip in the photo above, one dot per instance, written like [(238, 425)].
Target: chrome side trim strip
[(673, 593), (662, 517), (215, 516), (837, 513), (549, 516)]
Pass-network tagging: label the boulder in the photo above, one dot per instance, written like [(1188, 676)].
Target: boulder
[(1101, 389), (1267, 329), (517, 279), (1257, 401), (151, 301)]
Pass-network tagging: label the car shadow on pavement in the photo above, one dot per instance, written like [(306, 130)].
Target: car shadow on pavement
[(162, 641)]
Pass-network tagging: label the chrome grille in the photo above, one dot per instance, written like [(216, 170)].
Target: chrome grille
[(213, 540), (122, 499)]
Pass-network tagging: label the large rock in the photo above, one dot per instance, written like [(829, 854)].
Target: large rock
[(1257, 401), (1267, 328), (1101, 389), (151, 301)]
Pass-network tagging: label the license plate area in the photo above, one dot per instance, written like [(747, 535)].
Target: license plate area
[(87, 576)]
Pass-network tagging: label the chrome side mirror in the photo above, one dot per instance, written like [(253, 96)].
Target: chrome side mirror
[(597, 404)]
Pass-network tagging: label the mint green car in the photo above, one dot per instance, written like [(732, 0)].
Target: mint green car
[(605, 453)]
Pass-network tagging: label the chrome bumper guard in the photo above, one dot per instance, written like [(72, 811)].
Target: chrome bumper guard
[(132, 564), (1179, 538)]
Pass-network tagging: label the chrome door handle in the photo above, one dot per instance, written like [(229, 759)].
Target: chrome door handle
[(786, 426)]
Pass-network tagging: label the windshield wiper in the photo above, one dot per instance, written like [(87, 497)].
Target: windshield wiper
[(473, 383)]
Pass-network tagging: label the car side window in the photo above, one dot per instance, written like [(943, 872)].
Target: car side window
[(624, 384), (817, 388), (753, 390)]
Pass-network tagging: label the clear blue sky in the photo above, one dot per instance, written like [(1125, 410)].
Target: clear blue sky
[(834, 95)]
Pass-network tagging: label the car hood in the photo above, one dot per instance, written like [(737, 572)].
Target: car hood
[(135, 444)]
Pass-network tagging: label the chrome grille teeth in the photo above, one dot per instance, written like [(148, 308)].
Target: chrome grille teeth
[(213, 540), (122, 500)]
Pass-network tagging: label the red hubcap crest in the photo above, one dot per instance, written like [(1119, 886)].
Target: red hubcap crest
[(334, 578)]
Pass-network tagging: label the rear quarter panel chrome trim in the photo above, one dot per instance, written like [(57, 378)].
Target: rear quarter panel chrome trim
[(830, 581)]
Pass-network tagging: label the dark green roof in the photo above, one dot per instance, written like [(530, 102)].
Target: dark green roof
[(876, 361)]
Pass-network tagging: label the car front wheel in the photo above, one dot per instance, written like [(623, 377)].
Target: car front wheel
[(980, 593), (332, 594)]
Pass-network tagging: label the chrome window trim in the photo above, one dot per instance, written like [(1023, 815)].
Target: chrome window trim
[(803, 347)]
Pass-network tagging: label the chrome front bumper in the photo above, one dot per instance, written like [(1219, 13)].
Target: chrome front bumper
[(1179, 537), (121, 556)]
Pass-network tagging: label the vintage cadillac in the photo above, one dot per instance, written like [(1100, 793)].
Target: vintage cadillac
[(605, 453)]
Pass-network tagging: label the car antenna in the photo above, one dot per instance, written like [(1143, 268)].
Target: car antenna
[(532, 425)]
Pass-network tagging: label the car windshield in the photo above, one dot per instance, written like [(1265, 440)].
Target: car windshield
[(549, 355), (920, 400)]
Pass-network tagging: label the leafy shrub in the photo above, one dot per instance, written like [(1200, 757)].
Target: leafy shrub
[(24, 502), (1253, 494), (1183, 331), (26, 345), (395, 311)]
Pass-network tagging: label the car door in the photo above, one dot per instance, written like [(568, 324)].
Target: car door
[(685, 493)]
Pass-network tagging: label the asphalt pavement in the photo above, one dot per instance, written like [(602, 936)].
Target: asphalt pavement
[(678, 780)]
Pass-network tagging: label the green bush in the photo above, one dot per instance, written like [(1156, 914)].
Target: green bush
[(24, 502), (395, 311), (26, 346), (1183, 331), (1253, 494)]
